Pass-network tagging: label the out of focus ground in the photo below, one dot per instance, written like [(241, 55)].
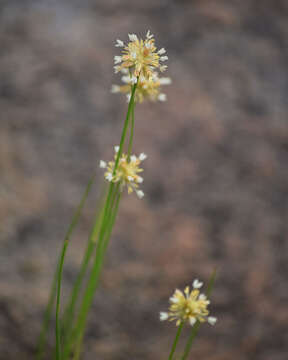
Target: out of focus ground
[(216, 180)]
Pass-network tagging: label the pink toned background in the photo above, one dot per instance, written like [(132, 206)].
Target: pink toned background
[(216, 180)]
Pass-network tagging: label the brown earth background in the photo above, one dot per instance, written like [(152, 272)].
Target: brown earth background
[(216, 180)]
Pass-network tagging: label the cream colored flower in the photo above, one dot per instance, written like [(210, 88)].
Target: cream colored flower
[(140, 56), (188, 306), (147, 88), (127, 172)]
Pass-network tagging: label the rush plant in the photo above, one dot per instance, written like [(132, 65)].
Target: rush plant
[(139, 64)]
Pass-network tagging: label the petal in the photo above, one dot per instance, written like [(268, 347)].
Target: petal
[(163, 316), (197, 284), (212, 320), (142, 156), (102, 164), (192, 321)]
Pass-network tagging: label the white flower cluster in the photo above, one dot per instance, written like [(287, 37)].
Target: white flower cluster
[(138, 64), (127, 172), (140, 56), (188, 306)]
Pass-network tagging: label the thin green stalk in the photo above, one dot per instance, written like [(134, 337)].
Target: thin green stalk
[(131, 130), (70, 310), (114, 215), (79, 342), (68, 316), (91, 287), (59, 280), (196, 327), (47, 317), (74, 332), (125, 127), (175, 342), (58, 297), (48, 310), (190, 340)]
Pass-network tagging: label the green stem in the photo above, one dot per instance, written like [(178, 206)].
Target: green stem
[(89, 293), (190, 340), (196, 327), (70, 310), (176, 341), (68, 316), (74, 332), (96, 274), (114, 215), (131, 130), (72, 335), (47, 317), (59, 280), (125, 127), (48, 310)]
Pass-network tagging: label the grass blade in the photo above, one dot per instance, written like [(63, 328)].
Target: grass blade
[(48, 311), (59, 281)]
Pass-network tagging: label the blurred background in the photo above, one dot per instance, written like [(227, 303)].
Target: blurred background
[(216, 178)]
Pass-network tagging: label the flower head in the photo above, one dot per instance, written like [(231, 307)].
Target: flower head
[(188, 306), (147, 88), (140, 56), (127, 172)]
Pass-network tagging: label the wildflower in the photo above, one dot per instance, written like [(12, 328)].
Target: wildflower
[(126, 173), (140, 56), (147, 88), (188, 306)]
